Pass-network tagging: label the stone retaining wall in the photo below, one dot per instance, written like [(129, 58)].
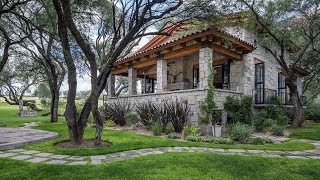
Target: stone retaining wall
[(194, 98)]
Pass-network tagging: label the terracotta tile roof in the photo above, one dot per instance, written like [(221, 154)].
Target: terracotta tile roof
[(182, 37)]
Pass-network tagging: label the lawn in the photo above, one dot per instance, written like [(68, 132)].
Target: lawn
[(308, 131), (171, 166), (121, 140)]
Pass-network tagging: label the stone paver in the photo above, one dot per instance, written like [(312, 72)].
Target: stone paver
[(43, 154), (7, 154), (30, 152), (98, 157), (37, 160), (12, 138), (59, 156), (21, 157), (76, 158), (56, 162)]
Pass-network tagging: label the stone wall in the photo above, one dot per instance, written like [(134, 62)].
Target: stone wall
[(194, 97)]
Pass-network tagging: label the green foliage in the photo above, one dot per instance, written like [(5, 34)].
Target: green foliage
[(43, 92), (261, 122), (313, 112), (110, 123), (45, 105), (174, 136), (282, 120), (169, 128), (194, 138), (116, 111), (190, 130), (240, 132), (277, 130), (132, 117), (3, 124), (208, 108), (240, 109), (156, 129), (262, 141)]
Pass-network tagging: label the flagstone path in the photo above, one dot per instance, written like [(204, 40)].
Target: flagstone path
[(33, 156)]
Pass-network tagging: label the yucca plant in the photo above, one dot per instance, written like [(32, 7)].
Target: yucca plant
[(177, 113), (117, 111)]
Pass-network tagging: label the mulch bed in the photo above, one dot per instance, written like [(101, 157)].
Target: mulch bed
[(84, 144)]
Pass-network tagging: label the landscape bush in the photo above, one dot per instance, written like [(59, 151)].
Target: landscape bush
[(177, 113), (261, 122), (262, 141), (240, 132), (110, 123), (282, 120), (194, 138), (174, 136), (313, 112), (116, 111), (277, 130), (149, 113), (214, 140), (190, 130), (156, 128), (132, 118), (240, 109), (169, 128)]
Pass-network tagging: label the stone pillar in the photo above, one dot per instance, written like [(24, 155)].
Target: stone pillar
[(111, 85), (143, 86), (205, 62), (161, 74), (132, 75)]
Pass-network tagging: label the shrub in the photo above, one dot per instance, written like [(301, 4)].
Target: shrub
[(240, 109), (313, 112), (174, 136), (132, 117), (194, 138), (149, 113), (110, 123), (240, 132), (177, 113), (262, 141), (156, 129), (190, 130), (282, 120), (277, 130), (169, 128), (3, 124), (261, 122), (116, 111)]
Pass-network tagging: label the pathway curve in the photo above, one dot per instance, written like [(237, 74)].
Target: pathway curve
[(33, 156), (18, 135)]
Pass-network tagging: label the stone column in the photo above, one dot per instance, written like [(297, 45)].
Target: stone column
[(205, 62), (132, 75), (111, 85), (143, 85), (161, 74)]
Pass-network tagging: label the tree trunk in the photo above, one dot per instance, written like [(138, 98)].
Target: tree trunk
[(54, 105), (297, 105)]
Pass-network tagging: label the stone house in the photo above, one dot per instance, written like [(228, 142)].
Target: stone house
[(177, 67)]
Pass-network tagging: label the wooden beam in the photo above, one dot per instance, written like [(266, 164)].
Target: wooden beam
[(183, 51), (146, 63), (226, 52), (119, 70)]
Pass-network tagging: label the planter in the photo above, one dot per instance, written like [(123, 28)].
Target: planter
[(208, 130)]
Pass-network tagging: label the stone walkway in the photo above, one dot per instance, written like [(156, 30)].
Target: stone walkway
[(33, 156), (11, 138)]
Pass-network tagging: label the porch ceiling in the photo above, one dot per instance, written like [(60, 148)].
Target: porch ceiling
[(222, 43)]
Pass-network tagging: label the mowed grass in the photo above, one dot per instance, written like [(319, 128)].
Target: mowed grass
[(171, 166), (308, 131), (8, 116), (121, 140)]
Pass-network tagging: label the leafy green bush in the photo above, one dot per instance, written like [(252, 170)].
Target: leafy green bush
[(190, 130), (174, 136), (277, 130), (262, 141), (110, 123), (132, 117), (261, 122), (194, 138), (240, 109), (156, 129), (313, 112), (240, 132), (282, 120), (169, 128), (116, 111)]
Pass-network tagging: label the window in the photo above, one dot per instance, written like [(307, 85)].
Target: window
[(282, 89), (259, 83), (221, 77), (150, 85)]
